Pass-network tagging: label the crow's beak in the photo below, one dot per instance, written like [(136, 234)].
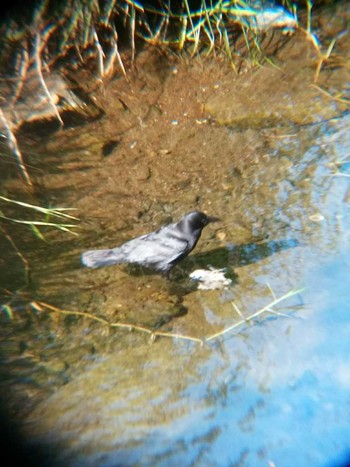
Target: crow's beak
[(213, 219)]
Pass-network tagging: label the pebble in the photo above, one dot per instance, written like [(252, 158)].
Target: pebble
[(316, 217), (143, 173), (220, 236)]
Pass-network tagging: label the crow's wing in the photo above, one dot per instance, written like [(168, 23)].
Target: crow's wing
[(158, 249)]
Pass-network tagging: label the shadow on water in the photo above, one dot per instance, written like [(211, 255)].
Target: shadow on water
[(219, 258), (178, 286), (254, 252)]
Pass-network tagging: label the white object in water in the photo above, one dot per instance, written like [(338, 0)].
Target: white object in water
[(210, 279), (268, 18), (274, 18)]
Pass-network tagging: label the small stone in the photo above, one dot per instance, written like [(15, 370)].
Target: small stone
[(201, 121), (143, 173), (316, 217), (220, 236), (164, 152), (151, 153)]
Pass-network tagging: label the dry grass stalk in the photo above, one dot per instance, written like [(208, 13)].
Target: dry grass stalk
[(12, 143), (42, 306), (19, 254)]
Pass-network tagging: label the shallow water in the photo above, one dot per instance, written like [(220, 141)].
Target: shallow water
[(274, 389)]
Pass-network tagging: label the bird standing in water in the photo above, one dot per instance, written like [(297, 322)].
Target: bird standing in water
[(159, 250)]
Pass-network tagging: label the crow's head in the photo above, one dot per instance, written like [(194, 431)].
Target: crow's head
[(195, 221)]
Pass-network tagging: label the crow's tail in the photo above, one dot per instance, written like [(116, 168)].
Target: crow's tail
[(98, 258)]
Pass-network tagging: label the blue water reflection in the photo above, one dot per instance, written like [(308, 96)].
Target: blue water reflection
[(283, 394), (292, 404)]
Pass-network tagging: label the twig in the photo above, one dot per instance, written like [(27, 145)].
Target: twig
[(38, 305), (132, 31), (278, 313), (328, 94), (240, 314), (42, 81), (24, 66), (105, 16), (272, 292), (20, 255), (114, 53), (323, 57), (178, 336), (339, 174), (100, 54), (254, 315), (12, 142)]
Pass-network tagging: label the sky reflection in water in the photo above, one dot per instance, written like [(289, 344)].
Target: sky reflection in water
[(283, 394)]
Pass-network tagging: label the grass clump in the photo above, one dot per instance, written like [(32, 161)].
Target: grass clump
[(52, 218), (213, 25), (48, 213)]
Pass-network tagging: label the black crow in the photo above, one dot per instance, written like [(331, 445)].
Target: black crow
[(159, 250)]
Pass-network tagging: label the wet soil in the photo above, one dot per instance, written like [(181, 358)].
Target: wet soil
[(177, 134)]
